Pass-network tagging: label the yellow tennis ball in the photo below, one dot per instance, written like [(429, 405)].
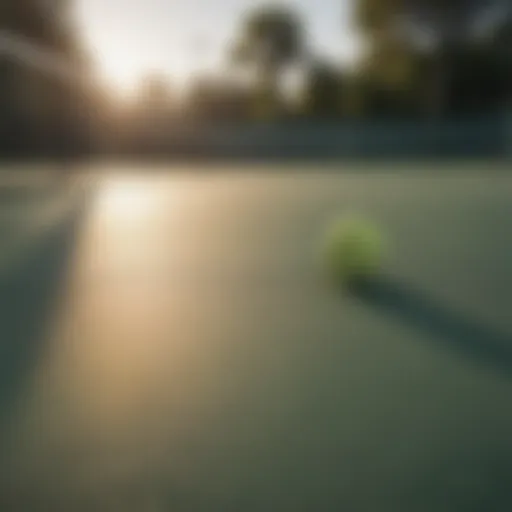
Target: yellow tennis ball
[(353, 250)]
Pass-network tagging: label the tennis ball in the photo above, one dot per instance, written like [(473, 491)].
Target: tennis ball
[(353, 251)]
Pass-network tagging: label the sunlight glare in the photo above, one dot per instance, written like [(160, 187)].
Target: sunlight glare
[(126, 199)]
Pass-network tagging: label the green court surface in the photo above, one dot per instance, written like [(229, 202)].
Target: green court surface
[(197, 360), (29, 207)]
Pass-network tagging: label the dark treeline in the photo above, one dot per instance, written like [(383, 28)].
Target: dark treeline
[(44, 111), (422, 59)]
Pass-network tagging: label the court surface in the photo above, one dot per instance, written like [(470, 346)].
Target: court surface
[(190, 355)]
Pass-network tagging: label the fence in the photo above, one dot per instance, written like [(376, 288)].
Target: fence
[(475, 138)]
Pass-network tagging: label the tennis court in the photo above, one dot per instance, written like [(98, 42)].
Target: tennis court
[(197, 360)]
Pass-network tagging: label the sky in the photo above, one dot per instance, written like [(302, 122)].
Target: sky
[(129, 38)]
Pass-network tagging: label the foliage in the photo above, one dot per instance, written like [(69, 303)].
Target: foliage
[(271, 38), (322, 95), (448, 73), (39, 111)]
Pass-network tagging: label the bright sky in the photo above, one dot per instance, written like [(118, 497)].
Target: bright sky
[(131, 37)]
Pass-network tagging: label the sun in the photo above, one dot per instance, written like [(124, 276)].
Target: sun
[(121, 61), (122, 70), (125, 53)]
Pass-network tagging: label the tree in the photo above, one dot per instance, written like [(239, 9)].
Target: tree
[(447, 21), (502, 42), (40, 110), (373, 16), (323, 94), (218, 100), (271, 39), (470, 68), (155, 93), (450, 26), (386, 80), (432, 37)]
